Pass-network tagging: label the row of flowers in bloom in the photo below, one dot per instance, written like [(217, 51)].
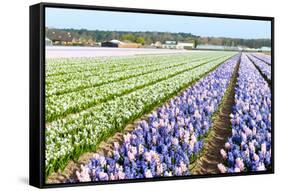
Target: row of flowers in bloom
[(68, 137), (81, 77), (265, 68), (74, 66), (263, 57), (249, 147), (163, 144), (73, 102)]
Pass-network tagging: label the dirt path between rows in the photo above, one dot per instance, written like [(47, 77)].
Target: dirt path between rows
[(219, 132)]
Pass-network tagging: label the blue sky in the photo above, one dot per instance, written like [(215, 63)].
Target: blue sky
[(202, 26)]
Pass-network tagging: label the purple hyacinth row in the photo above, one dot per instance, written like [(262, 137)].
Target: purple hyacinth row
[(263, 57), (265, 68), (163, 144), (249, 147)]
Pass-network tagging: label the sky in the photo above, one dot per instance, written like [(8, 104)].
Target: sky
[(121, 21)]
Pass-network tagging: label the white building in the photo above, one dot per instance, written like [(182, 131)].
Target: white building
[(178, 45), (115, 41), (170, 44), (185, 45)]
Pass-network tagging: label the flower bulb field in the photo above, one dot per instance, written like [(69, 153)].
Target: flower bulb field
[(157, 115)]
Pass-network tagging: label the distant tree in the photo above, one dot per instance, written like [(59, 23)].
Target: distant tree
[(128, 37), (146, 38), (140, 40)]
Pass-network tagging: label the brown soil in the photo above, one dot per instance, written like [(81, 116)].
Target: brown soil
[(219, 132)]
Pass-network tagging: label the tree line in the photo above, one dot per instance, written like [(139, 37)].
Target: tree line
[(147, 38)]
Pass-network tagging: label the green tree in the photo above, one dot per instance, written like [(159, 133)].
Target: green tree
[(128, 37), (140, 40)]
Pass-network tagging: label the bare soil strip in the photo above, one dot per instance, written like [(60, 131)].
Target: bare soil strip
[(105, 147), (210, 156)]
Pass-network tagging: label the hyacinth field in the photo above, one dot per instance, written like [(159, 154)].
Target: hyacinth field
[(148, 116)]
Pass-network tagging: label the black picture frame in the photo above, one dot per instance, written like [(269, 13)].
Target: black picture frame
[(37, 91)]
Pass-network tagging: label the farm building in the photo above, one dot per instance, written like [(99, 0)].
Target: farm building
[(178, 45), (61, 38), (185, 45), (109, 44), (170, 44), (76, 41), (119, 44)]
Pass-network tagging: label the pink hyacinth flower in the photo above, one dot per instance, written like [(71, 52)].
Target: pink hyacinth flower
[(222, 168)]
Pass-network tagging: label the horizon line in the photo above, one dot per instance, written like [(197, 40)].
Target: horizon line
[(158, 32)]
